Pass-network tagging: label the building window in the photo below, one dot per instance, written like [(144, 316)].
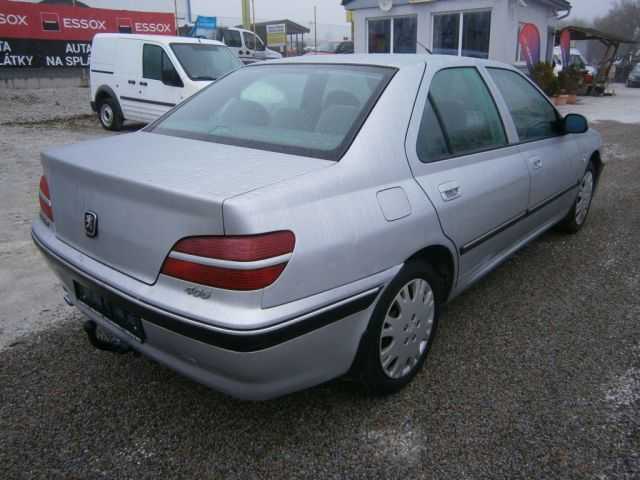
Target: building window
[(393, 35), (465, 34)]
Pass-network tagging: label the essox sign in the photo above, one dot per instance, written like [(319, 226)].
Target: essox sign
[(23, 20)]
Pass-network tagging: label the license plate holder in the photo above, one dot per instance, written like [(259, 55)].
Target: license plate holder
[(111, 309)]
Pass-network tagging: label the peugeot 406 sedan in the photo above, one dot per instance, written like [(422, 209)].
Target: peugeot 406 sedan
[(307, 218)]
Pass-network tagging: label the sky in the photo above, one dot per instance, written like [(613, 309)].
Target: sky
[(331, 12)]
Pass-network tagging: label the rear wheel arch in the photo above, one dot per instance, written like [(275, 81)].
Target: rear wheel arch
[(442, 260)]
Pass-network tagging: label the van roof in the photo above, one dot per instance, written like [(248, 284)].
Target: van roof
[(163, 39)]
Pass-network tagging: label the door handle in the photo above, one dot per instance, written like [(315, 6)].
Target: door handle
[(132, 82), (536, 163), (144, 84), (449, 191)]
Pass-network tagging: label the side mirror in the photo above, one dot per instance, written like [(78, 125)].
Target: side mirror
[(574, 123), (171, 78)]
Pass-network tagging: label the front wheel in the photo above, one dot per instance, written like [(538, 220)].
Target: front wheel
[(577, 216), (401, 329)]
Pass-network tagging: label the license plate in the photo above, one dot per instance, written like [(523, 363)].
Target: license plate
[(113, 310)]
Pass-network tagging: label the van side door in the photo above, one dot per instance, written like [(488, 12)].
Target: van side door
[(127, 73), (465, 160), (161, 86), (553, 158)]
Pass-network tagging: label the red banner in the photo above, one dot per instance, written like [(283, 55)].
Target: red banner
[(529, 39), (36, 21)]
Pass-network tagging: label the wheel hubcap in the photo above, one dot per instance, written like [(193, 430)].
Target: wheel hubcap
[(406, 328), (584, 197), (106, 114)]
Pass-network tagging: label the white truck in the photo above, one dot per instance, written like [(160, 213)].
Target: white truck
[(141, 77), (247, 46)]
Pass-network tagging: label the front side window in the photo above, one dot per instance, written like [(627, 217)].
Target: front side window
[(534, 117), (203, 61), (231, 38), (249, 40), (156, 65), (465, 107), (311, 110), (467, 34), (152, 62), (393, 35)]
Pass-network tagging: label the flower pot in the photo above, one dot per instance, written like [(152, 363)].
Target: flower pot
[(572, 99), (560, 100)]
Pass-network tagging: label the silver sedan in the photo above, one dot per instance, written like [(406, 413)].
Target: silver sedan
[(307, 218)]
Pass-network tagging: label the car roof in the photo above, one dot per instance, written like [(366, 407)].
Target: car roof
[(403, 60), (163, 39)]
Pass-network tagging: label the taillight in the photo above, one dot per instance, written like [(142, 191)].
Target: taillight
[(247, 262), (44, 197)]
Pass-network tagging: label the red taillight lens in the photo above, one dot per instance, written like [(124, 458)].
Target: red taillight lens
[(248, 262), (45, 199)]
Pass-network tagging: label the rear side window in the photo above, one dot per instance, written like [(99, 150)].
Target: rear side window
[(534, 117), (469, 117), (432, 144)]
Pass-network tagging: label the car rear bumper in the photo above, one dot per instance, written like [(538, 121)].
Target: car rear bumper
[(310, 349)]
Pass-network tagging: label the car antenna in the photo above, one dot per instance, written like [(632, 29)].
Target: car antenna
[(428, 51)]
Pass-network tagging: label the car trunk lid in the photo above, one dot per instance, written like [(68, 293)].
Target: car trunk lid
[(148, 191)]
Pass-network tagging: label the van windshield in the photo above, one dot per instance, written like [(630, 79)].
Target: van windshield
[(205, 62), (314, 110)]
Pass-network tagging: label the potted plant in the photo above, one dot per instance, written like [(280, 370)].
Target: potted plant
[(544, 76), (563, 86)]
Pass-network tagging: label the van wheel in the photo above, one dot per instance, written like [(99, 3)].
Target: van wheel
[(577, 216), (110, 115), (401, 330)]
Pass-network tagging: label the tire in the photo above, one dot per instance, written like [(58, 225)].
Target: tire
[(577, 216), (109, 114), (375, 366)]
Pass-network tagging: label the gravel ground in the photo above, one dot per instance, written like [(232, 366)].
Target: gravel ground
[(535, 372), (43, 105)]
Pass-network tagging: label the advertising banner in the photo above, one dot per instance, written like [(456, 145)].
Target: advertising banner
[(51, 35), (276, 35), (529, 39), (565, 47)]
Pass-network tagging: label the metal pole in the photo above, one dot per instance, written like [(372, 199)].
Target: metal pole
[(175, 9), (315, 27), (189, 11), (253, 11)]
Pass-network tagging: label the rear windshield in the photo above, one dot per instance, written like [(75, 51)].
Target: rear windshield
[(312, 109), (205, 62)]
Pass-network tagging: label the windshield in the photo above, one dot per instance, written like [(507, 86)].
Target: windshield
[(303, 109), (203, 61)]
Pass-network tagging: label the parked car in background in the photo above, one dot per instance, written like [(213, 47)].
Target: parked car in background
[(634, 77), (577, 59), (246, 45), (330, 48), (306, 218), (141, 77)]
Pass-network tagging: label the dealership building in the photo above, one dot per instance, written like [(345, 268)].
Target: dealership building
[(478, 28)]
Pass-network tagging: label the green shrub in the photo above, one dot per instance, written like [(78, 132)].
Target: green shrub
[(544, 77)]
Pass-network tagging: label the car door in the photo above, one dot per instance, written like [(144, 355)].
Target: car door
[(161, 87), (553, 158), (260, 50), (127, 73), (463, 158), (233, 40)]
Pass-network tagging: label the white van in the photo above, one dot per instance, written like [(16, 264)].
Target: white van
[(577, 59), (140, 77), (247, 46)]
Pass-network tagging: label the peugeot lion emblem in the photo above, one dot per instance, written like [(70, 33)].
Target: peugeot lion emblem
[(90, 224)]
